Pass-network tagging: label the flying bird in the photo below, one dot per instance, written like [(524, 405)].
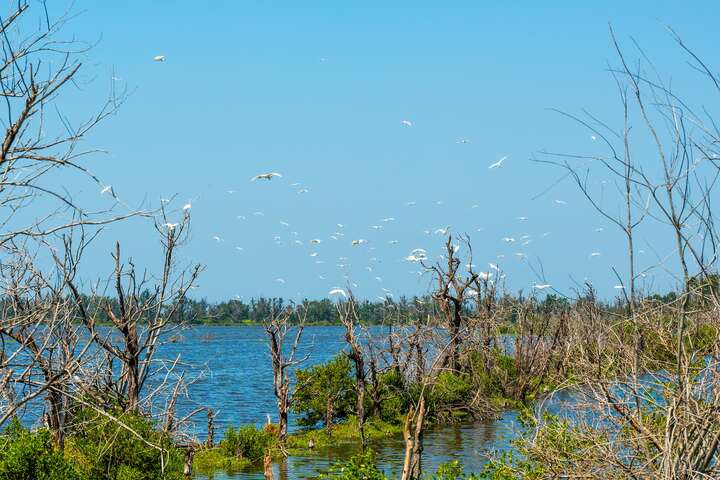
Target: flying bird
[(542, 286), (106, 189), (498, 163), (265, 176), (159, 58), (355, 243), (406, 123), (337, 291)]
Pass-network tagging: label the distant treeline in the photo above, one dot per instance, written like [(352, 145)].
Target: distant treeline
[(323, 312), (319, 312)]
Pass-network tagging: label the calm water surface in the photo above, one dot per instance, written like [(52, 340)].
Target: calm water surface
[(236, 382)]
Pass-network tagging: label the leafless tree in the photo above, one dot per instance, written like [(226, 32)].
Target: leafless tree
[(277, 327), (450, 294), (653, 397), (145, 308), (347, 311)]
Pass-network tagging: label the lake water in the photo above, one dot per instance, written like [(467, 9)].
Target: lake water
[(237, 384)]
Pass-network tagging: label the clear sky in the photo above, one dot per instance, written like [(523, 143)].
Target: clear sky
[(317, 91)]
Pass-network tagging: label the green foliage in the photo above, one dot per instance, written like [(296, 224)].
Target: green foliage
[(246, 442), (395, 398), (450, 396), (509, 466), (358, 467), (452, 470), (210, 460), (102, 449), (26, 455), (320, 383)]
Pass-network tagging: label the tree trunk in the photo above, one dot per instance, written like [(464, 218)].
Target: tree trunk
[(267, 464), (413, 436), (329, 416), (187, 467)]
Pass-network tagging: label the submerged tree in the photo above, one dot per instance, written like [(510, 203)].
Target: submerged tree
[(277, 328)]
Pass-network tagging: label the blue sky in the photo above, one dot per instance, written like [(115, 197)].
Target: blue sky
[(317, 91)]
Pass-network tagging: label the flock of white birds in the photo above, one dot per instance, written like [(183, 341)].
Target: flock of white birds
[(415, 256)]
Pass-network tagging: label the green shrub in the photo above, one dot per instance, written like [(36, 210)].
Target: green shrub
[(26, 455), (102, 449), (358, 467), (320, 383), (395, 398), (450, 397), (452, 471), (246, 442)]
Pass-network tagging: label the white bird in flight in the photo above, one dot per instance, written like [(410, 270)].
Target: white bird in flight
[(106, 189), (337, 291), (561, 202), (498, 163), (159, 58), (315, 241), (542, 286), (407, 123), (265, 176), (358, 242)]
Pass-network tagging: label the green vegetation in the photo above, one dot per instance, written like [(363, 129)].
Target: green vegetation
[(26, 455), (97, 448), (325, 392)]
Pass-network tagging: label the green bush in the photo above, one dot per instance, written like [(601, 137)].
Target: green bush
[(450, 396), (26, 455), (358, 467), (246, 442), (318, 384), (452, 471), (395, 399), (104, 450)]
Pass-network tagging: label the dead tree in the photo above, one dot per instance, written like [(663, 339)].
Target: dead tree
[(451, 294), (347, 311), (277, 326), (38, 214), (142, 316)]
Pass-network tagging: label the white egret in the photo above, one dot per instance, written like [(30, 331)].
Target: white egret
[(498, 164), (265, 176)]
